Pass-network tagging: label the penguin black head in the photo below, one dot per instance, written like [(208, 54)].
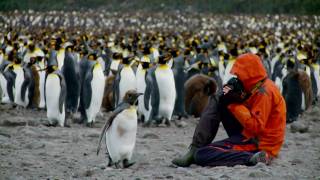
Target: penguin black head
[(126, 60), (92, 57), (164, 58), (145, 65), (31, 47), (51, 69), (174, 52), (131, 97)]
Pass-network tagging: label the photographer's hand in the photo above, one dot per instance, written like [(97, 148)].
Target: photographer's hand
[(226, 89)]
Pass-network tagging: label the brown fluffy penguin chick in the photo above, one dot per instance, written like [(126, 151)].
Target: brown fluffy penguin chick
[(197, 91), (305, 83), (107, 102)]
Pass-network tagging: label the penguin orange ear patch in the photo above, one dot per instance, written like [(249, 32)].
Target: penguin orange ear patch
[(91, 57)]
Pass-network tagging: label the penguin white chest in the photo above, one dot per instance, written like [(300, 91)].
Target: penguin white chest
[(18, 85), (141, 87), (3, 86), (97, 85), (167, 91), (42, 75), (60, 58), (52, 92), (121, 136), (127, 82)]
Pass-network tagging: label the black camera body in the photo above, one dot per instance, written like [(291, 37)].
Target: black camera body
[(237, 93)]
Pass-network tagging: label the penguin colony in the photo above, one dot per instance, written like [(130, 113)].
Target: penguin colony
[(150, 68)]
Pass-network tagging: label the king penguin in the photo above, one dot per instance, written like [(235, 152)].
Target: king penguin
[(55, 92), (71, 72), (92, 89), (125, 80), (160, 92), (7, 80), (19, 98), (179, 78), (141, 86), (60, 52), (120, 131), (30, 91)]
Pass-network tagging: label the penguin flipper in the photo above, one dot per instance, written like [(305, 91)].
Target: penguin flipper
[(87, 90), (116, 89), (63, 93), (147, 92), (10, 76), (24, 87), (108, 123)]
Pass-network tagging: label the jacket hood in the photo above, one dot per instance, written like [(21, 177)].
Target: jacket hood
[(249, 69)]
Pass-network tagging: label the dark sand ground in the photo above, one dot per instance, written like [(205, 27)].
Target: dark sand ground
[(30, 150)]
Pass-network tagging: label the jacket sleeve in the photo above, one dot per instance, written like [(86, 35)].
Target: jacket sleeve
[(253, 120)]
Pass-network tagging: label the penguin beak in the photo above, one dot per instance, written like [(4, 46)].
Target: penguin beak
[(139, 94)]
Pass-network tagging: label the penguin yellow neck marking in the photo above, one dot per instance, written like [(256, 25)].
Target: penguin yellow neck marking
[(132, 108), (52, 75), (163, 66), (232, 60), (97, 65), (16, 66)]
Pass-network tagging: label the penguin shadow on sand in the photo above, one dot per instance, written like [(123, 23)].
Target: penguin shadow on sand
[(120, 132)]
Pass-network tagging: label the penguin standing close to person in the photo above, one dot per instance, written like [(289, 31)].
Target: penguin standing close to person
[(124, 81), (55, 92), (93, 86), (297, 92), (198, 89), (121, 130), (179, 78), (160, 94)]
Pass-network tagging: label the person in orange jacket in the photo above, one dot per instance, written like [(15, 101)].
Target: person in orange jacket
[(253, 113)]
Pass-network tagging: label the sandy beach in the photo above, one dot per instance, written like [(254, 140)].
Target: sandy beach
[(31, 150)]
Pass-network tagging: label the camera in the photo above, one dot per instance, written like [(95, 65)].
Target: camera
[(237, 93)]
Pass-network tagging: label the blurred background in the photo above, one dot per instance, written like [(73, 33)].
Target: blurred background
[(307, 7)]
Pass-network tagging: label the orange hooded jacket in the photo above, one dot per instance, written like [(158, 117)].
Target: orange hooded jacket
[(263, 114)]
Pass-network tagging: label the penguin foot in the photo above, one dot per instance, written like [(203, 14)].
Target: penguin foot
[(167, 122), (78, 120), (52, 124), (110, 163), (117, 165), (141, 119), (67, 125), (126, 163), (146, 124), (89, 124)]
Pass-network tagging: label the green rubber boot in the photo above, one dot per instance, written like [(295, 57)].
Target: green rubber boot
[(187, 159)]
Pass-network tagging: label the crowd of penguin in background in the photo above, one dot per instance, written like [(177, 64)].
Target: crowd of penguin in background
[(86, 62)]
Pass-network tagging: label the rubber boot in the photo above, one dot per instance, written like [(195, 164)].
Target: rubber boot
[(262, 157), (187, 159)]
